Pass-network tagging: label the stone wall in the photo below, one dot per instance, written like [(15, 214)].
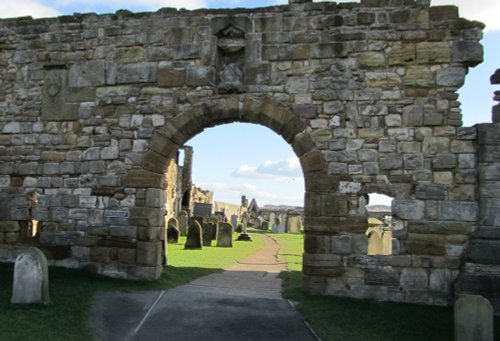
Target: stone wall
[(95, 107)]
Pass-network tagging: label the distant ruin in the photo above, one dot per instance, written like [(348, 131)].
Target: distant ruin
[(94, 108)]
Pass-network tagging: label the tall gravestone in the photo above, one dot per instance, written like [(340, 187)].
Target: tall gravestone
[(234, 221), (182, 221), (209, 233), (225, 235), (194, 234), (293, 222), (31, 278), (473, 319)]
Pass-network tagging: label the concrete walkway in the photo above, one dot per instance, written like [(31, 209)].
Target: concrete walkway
[(242, 303)]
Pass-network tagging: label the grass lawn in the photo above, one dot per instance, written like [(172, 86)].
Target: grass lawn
[(66, 318), (337, 318)]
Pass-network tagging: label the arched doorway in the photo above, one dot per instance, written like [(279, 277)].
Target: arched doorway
[(148, 175)]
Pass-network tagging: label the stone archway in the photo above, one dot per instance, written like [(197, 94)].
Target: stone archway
[(148, 174)]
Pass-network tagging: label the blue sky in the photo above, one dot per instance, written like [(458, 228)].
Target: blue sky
[(244, 159)]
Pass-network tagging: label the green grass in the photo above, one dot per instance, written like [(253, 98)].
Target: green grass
[(338, 318), (66, 318)]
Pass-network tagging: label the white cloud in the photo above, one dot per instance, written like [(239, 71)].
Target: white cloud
[(19, 8), (277, 170)]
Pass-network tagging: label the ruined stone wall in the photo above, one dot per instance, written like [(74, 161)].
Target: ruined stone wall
[(95, 107)]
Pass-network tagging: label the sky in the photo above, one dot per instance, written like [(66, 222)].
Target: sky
[(244, 159)]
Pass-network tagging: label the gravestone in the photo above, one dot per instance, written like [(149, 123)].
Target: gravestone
[(31, 278), (194, 233), (213, 220), (293, 222), (220, 217), (209, 233), (473, 319), (265, 225), (224, 235), (172, 231), (234, 221), (182, 221), (272, 217), (279, 226), (197, 218)]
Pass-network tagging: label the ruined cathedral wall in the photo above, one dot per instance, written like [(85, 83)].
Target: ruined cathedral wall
[(87, 103)]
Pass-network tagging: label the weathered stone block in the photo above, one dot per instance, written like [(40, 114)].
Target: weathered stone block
[(171, 77), (414, 279), (200, 76), (342, 245), (297, 85), (444, 161), (408, 209), (468, 52), (391, 162), (149, 253), (369, 60), (9, 226), (384, 80), (87, 74), (425, 244), (100, 254), (452, 210), (451, 76), (146, 217), (137, 73), (131, 54), (431, 192), (155, 197), (334, 205), (386, 277), (419, 76)]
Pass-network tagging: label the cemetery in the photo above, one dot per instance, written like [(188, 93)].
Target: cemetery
[(96, 110)]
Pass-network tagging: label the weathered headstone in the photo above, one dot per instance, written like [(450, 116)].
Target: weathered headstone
[(31, 278), (234, 221), (224, 235), (209, 233), (265, 225), (197, 218), (182, 221), (293, 222), (279, 226), (194, 233), (272, 217), (220, 217), (473, 319), (172, 231)]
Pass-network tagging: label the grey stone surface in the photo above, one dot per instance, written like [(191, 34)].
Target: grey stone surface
[(31, 278), (224, 235), (473, 319), (194, 236)]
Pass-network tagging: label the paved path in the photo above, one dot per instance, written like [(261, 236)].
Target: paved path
[(242, 303)]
